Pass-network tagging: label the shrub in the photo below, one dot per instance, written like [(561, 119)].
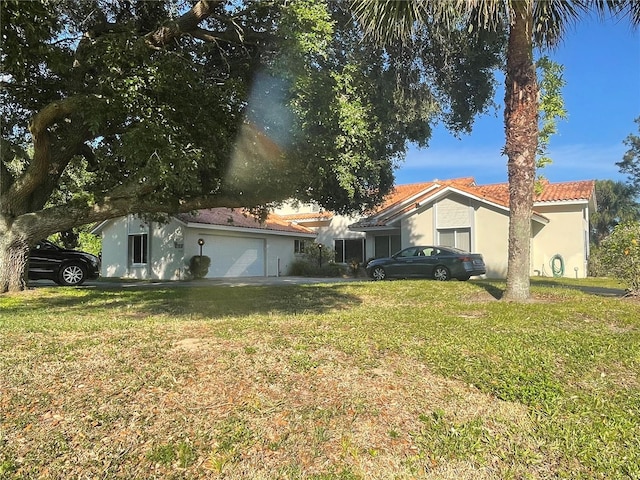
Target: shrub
[(199, 266), (332, 269), (596, 267), (90, 243), (621, 255), (301, 268), (305, 268), (354, 266), (312, 254)]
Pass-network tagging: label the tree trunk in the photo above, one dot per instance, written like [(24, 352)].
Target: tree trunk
[(521, 129), (14, 254)]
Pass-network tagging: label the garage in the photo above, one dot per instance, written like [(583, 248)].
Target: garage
[(234, 256)]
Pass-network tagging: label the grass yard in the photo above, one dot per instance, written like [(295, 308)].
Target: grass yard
[(386, 380)]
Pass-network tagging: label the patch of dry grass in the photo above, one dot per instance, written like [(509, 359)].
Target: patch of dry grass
[(186, 404)]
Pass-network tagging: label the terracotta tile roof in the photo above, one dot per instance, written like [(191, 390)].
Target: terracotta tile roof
[(415, 194), (556, 192), (551, 192), (237, 218), (400, 193), (496, 193), (307, 216)]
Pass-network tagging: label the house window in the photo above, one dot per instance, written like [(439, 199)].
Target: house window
[(347, 250), (386, 245), (138, 248), (455, 237), (298, 246)]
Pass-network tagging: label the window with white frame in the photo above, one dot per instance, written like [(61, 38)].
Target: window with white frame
[(455, 237), (298, 246), (138, 249)]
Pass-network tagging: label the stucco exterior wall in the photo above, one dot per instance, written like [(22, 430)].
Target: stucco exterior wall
[(418, 229), (566, 235), (491, 238), (166, 251), (338, 229), (172, 245), (165, 254), (114, 248)]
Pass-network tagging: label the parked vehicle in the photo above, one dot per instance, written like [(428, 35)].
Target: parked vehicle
[(65, 267), (439, 263)]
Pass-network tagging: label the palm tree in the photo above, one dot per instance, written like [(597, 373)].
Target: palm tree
[(530, 23)]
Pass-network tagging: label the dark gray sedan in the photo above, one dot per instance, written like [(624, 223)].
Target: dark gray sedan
[(439, 263)]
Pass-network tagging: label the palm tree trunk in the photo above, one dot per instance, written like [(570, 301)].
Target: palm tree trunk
[(521, 129)]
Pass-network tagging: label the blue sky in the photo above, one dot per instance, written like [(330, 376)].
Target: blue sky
[(601, 61)]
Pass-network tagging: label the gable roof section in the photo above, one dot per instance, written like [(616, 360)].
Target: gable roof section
[(566, 191), (236, 219), (404, 199), (551, 192), (307, 217)]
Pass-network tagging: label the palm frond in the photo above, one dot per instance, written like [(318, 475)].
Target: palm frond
[(552, 18), (387, 20)]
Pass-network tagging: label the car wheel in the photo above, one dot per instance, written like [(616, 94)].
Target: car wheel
[(72, 274), (441, 273), (378, 273)]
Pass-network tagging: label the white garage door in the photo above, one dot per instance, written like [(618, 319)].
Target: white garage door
[(234, 256)]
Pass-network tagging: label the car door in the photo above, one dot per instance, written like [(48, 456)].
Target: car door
[(403, 264), (44, 260), (425, 261)]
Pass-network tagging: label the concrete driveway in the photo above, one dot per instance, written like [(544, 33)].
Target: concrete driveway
[(229, 282)]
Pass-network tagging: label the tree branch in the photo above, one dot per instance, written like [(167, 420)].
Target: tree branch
[(185, 24), (64, 217), (41, 165)]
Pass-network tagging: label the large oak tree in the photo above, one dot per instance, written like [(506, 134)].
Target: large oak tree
[(169, 106)]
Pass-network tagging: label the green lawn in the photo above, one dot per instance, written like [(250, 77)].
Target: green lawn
[(365, 380)]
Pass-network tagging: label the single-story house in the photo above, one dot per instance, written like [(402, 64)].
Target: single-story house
[(238, 244), (462, 214), (457, 213)]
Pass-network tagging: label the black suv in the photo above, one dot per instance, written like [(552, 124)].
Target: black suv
[(65, 267)]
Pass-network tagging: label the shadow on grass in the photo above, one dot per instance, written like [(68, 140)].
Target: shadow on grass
[(196, 301), (585, 288), (492, 289), (496, 288)]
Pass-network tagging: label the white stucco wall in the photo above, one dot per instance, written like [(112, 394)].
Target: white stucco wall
[(565, 235), (338, 229), (165, 257), (491, 235), (114, 248), (172, 245), (166, 251)]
